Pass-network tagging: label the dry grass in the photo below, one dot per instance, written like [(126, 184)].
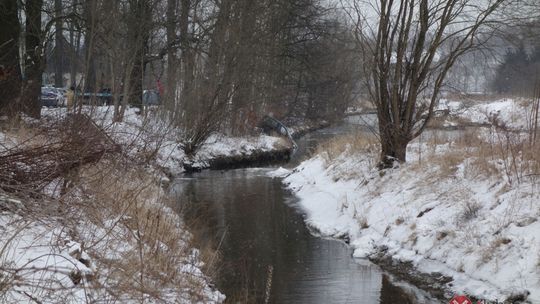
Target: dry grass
[(470, 210), (446, 159), (353, 143), (480, 152), (501, 153), (508, 155), (128, 205), (138, 246), (477, 98), (490, 252), (362, 221), (19, 133)]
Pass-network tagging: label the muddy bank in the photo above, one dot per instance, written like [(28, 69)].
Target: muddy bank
[(257, 158), (254, 159), (300, 129), (435, 284)]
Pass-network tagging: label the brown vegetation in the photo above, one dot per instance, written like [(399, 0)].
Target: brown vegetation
[(115, 208), (52, 153), (496, 153), (360, 142)]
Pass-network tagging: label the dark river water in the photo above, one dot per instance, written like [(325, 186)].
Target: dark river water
[(268, 255)]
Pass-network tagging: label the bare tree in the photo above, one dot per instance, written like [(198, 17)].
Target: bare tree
[(172, 60), (34, 61), (90, 17), (59, 45), (138, 31), (401, 43), (10, 73)]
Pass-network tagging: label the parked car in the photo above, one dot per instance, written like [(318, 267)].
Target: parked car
[(50, 97), (150, 98)]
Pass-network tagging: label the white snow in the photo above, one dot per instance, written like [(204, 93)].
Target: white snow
[(280, 172), (45, 252), (41, 257), (514, 114), (219, 145), (40, 260), (35, 253), (147, 135), (453, 218)]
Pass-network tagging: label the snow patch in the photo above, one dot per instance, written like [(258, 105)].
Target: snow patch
[(482, 232)]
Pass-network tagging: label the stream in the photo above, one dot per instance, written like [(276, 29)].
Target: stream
[(267, 254)]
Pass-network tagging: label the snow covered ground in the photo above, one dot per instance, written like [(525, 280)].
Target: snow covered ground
[(94, 244), (34, 253), (98, 246), (70, 257), (461, 206), (149, 137), (513, 113)]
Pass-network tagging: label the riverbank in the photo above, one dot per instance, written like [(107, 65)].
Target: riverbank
[(147, 139), (222, 152), (112, 237), (96, 225), (108, 230), (515, 114), (300, 127), (463, 210)]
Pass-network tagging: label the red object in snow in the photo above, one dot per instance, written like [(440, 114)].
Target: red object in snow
[(460, 300)]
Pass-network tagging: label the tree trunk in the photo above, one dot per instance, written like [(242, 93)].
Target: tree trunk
[(393, 141), (136, 87), (187, 65), (139, 32), (74, 41), (170, 94), (59, 46), (34, 63), (392, 150), (90, 12), (10, 73)]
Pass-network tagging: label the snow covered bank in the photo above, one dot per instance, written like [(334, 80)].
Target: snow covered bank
[(150, 139), (512, 113), (463, 208), (222, 152), (104, 248), (299, 127), (104, 232)]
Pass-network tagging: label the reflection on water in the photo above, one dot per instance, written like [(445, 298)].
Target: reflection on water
[(261, 232)]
